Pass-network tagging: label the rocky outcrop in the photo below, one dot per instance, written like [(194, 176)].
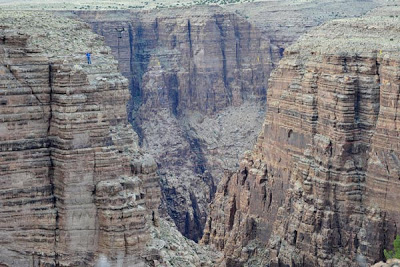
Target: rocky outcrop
[(389, 263), (168, 247), (75, 188), (320, 187), (187, 66)]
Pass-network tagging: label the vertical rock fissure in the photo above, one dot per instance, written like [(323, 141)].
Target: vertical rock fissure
[(238, 45), (51, 167), (189, 29), (201, 164), (222, 35), (131, 62), (357, 100), (201, 169), (173, 94), (271, 55), (397, 106), (135, 52), (344, 64), (23, 82), (377, 111), (232, 213), (51, 98), (192, 73), (198, 225), (270, 200), (378, 71), (156, 31)]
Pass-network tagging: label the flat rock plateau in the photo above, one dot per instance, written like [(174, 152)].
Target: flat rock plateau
[(254, 133)]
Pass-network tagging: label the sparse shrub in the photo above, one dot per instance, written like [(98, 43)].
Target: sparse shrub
[(395, 253)]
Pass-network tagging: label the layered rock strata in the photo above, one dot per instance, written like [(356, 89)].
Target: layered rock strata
[(200, 58), (187, 66), (283, 22), (75, 189), (321, 186)]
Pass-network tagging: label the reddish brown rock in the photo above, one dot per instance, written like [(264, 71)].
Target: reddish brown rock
[(75, 189), (320, 187)]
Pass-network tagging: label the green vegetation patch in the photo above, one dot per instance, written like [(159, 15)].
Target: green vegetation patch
[(395, 253)]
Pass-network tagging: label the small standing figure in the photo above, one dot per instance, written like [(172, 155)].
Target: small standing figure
[(89, 60)]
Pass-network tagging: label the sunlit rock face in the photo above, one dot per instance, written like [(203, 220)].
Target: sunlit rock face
[(321, 186), (75, 189)]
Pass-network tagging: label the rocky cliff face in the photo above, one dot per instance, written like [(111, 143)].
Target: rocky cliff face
[(187, 68), (75, 189), (320, 188), (283, 22), (202, 59)]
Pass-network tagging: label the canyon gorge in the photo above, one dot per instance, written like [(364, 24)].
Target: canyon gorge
[(234, 135), (192, 72)]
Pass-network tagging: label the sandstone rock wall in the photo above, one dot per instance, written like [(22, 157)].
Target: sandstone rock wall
[(321, 186), (200, 58), (187, 68), (75, 188), (27, 212)]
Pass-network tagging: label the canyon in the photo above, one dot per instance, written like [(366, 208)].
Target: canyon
[(76, 188), (186, 68), (102, 164), (192, 72)]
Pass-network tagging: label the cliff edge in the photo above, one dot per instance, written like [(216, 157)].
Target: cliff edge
[(321, 186), (75, 189)]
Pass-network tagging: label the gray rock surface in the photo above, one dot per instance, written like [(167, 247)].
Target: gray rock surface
[(198, 79)]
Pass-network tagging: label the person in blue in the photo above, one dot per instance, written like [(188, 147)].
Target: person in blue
[(89, 60)]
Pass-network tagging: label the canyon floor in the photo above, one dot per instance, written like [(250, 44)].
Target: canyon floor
[(223, 122)]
